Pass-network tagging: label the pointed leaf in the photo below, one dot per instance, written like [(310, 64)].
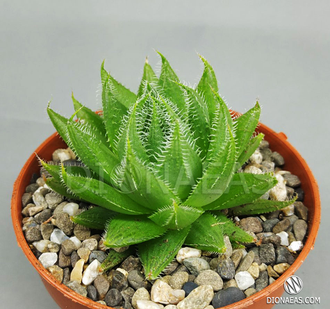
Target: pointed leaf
[(208, 82), (261, 206), (60, 124), (116, 99), (245, 127), (168, 81), (86, 115), (60, 188), (250, 148), (244, 188), (93, 153), (206, 234), (176, 216), (99, 193), (141, 182), (198, 118), (157, 253), (149, 80), (114, 258), (124, 231), (234, 232), (94, 218), (181, 166)]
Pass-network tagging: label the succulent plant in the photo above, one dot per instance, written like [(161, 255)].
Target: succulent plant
[(161, 166)]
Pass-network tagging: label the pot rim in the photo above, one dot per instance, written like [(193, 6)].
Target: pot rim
[(313, 226)]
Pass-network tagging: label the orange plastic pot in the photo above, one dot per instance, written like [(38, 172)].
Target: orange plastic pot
[(66, 298)]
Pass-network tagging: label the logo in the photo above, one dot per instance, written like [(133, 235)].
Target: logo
[(293, 285)]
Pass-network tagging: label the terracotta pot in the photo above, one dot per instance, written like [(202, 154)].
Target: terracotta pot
[(66, 298)]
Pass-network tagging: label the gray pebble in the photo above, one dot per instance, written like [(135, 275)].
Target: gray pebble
[(97, 255), (92, 293), (236, 257), (46, 230), (75, 286), (68, 246), (137, 280), (300, 194), (283, 255), (251, 224), (102, 286), (81, 232), (262, 281), (32, 234), (266, 154), (292, 219), (64, 223), (113, 298), (267, 254), (43, 216), (269, 237), (64, 260), (301, 210), (131, 263), (256, 255), (281, 226), (227, 297), (196, 265), (31, 188), (292, 181), (66, 275), (264, 144), (74, 258), (269, 224), (277, 158), (26, 198), (226, 269), (209, 277), (59, 209), (119, 281), (289, 192), (178, 280), (300, 229), (127, 295), (246, 262)]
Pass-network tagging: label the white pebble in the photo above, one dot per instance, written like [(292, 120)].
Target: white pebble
[(278, 193), (58, 236), (71, 209), (61, 155), (41, 245), (288, 211), (253, 170), (76, 274), (244, 280), (161, 292), (296, 246), (284, 238), (256, 157), (91, 272), (76, 242), (48, 259), (187, 252), (147, 304)]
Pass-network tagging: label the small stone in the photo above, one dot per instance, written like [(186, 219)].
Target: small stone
[(187, 252), (58, 236), (53, 247), (92, 293), (252, 169), (229, 283), (25, 211), (119, 281), (162, 293), (64, 260), (31, 188), (284, 236), (269, 237), (171, 268), (48, 259), (178, 280), (236, 257), (271, 280), (188, 287), (26, 199), (41, 245), (251, 224), (32, 234), (246, 262), (53, 199), (35, 210), (301, 210), (123, 271), (300, 194), (273, 215), (227, 297), (262, 281), (131, 263), (196, 265), (226, 269), (278, 159), (59, 209), (288, 211), (84, 253), (283, 255), (291, 237), (267, 253), (256, 157), (296, 246), (74, 258), (76, 242), (281, 226), (46, 230), (81, 232), (91, 272), (281, 268), (209, 277), (254, 270), (102, 286), (292, 181), (244, 280), (127, 295), (99, 255), (290, 192), (60, 155), (229, 248), (71, 209), (39, 198), (64, 223), (136, 279), (78, 288), (102, 302), (271, 272), (300, 229), (267, 166), (278, 192), (68, 247), (147, 304), (57, 272), (40, 182), (90, 244), (199, 298), (262, 267), (250, 291), (66, 275), (76, 274), (140, 294)]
